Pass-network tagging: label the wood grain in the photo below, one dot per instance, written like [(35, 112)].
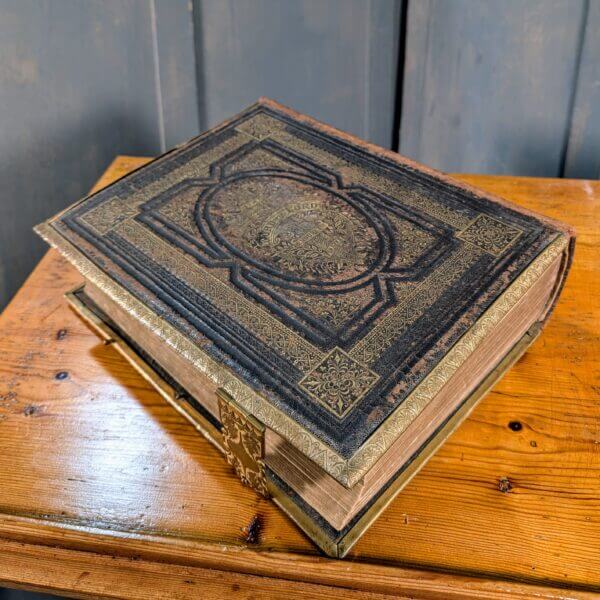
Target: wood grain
[(93, 464)]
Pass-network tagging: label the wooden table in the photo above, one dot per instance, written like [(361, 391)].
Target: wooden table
[(105, 491)]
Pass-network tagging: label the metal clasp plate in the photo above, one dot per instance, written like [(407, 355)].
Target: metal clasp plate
[(244, 443)]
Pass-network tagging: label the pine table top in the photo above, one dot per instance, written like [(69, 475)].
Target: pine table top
[(105, 491)]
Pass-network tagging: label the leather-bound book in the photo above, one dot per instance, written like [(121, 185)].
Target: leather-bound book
[(325, 311)]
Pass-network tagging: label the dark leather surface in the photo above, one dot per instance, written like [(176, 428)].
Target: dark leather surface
[(330, 279)]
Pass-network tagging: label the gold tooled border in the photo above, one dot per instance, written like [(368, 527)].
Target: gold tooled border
[(311, 527), (347, 472)]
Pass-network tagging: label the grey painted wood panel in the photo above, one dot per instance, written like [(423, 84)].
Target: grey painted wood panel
[(175, 64), (333, 59), (583, 151), (488, 85), (78, 85)]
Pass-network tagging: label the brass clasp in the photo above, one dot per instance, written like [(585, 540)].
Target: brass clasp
[(244, 442)]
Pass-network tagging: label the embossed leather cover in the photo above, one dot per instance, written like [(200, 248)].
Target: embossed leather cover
[(318, 279)]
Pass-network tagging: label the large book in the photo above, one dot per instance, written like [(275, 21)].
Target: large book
[(325, 311)]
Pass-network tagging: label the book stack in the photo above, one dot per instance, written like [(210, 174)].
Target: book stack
[(324, 311)]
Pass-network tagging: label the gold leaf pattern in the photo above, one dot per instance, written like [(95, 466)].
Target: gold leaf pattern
[(490, 234), (339, 382)]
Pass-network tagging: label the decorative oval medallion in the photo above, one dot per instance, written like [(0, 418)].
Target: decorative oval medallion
[(292, 228)]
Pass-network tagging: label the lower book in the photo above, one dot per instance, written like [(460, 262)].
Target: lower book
[(241, 438)]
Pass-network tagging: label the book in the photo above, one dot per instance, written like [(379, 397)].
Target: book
[(326, 312)]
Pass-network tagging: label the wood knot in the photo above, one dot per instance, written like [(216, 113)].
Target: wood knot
[(252, 531), (30, 410), (504, 485)]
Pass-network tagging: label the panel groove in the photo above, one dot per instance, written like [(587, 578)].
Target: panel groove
[(157, 84), (401, 57), (583, 149), (576, 71)]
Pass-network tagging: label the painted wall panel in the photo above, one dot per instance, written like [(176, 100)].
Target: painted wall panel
[(583, 151), (78, 85), (488, 85), (333, 59), (175, 69)]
